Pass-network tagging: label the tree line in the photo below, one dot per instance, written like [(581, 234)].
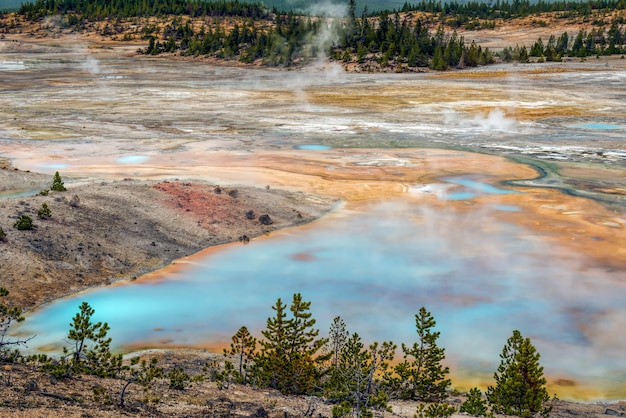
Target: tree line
[(515, 9), (352, 376), (380, 42), (296, 40), (103, 9), (594, 42)]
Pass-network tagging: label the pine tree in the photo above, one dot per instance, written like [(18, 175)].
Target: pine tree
[(57, 183), (422, 378), (355, 382), (337, 337), (520, 385), (289, 359), (91, 353), (142, 373), (244, 347), (474, 404), (44, 212), (8, 316)]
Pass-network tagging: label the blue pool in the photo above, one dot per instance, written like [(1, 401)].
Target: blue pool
[(480, 277)]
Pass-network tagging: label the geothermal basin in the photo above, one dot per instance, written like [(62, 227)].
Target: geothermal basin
[(434, 211)]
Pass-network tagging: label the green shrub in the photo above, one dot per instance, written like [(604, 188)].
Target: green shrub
[(44, 212), (57, 183), (434, 410), (474, 404), (3, 235), (24, 222), (179, 379)]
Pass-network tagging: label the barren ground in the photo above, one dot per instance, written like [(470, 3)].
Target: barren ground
[(122, 229)]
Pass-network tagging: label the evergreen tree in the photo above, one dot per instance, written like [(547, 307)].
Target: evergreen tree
[(289, 359), (523, 55), (520, 385), (57, 183), (8, 315), (44, 212), (337, 337), (422, 378), (140, 372), (243, 347), (438, 63), (355, 383), (91, 348), (474, 404)]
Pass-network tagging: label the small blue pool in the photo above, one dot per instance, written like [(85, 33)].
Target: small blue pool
[(132, 159), (599, 126), (313, 147)]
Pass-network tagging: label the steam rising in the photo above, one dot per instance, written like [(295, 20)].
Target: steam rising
[(494, 120), (90, 65), (328, 9)]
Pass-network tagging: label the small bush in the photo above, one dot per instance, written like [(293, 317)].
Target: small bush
[(23, 223), (3, 235), (434, 410), (44, 212), (44, 192), (179, 379), (474, 404)]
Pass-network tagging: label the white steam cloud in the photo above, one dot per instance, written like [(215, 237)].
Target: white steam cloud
[(90, 65), (327, 9), (494, 120)]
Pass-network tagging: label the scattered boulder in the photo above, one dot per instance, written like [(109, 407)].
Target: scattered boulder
[(75, 201), (260, 413), (265, 219), (250, 214)]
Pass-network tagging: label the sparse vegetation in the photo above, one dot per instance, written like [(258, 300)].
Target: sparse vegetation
[(243, 348), (356, 383), (290, 358), (24, 222), (354, 378), (57, 183), (423, 377), (143, 373), (90, 352), (3, 235), (44, 212), (474, 405), (520, 386), (8, 316), (434, 410)]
